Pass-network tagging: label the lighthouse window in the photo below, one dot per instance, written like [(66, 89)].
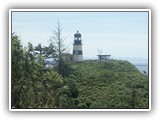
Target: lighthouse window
[(77, 52), (77, 42), (80, 52)]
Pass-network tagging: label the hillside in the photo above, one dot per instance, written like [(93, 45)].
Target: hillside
[(111, 84)]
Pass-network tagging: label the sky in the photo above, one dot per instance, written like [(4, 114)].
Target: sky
[(119, 34)]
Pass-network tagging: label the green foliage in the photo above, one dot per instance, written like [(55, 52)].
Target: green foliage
[(111, 84), (86, 84), (65, 68), (33, 86)]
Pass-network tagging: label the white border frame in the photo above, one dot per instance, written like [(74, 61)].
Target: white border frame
[(87, 10)]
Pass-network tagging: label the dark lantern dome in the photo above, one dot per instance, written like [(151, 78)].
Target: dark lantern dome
[(77, 34)]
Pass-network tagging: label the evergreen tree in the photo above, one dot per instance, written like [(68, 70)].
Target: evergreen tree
[(31, 85)]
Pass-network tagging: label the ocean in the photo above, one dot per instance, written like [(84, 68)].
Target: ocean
[(142, 68)]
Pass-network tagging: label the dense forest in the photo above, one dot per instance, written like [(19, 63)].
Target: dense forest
[(110, 84), (35, 86), (86, 84)]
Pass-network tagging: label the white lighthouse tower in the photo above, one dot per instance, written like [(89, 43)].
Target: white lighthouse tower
[(77, 47)]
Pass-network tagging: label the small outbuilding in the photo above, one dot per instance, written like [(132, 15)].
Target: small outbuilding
[(104, 57)]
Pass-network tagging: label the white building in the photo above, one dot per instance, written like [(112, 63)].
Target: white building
[(103, 57)]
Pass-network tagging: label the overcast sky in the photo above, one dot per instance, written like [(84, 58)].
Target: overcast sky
[(120, 34)]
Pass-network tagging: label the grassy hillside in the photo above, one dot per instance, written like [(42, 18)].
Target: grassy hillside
[(111, 84)]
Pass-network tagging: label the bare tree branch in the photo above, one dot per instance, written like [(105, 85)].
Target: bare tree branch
[(59, 44)]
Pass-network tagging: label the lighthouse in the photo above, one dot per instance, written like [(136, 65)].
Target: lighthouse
[(77, 48)]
